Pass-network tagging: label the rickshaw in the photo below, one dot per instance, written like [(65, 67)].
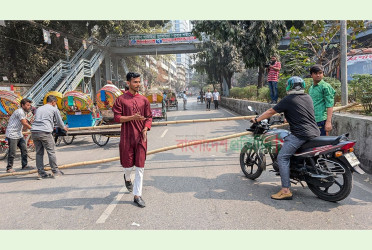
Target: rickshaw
[(157, 105), (9, 102), (171, 101), (105, 99), (79, 112)]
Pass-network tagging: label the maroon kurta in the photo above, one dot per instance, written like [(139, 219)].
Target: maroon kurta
[(132, 148)]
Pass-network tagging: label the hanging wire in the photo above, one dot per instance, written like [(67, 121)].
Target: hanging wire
[(14, 39)]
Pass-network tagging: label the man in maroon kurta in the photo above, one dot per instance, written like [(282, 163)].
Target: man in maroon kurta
[(133, 111)]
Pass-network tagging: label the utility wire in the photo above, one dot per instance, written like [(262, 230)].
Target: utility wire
[(66, 35), (57, 52)]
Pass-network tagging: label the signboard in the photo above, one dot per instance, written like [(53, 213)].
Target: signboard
[(165, 38), (359, 64), (66, 43)]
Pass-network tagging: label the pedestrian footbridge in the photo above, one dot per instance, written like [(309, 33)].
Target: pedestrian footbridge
[(84, 66)]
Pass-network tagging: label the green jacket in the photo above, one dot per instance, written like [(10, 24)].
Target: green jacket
[(323, 96)]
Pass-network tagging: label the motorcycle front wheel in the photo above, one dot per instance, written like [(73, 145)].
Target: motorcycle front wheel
[(339, 190), (251, 162)]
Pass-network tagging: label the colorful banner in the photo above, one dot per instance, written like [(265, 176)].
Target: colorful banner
[(165, 38)]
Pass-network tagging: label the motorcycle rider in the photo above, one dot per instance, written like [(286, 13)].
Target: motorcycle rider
[(299, 112)]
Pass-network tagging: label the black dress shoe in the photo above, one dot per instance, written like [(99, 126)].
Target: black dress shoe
[(128, 184), (139, 201)]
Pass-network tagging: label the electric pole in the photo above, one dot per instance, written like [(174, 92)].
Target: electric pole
[(343, 40)]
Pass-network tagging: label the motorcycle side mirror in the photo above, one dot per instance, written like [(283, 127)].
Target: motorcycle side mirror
[(252, 110)]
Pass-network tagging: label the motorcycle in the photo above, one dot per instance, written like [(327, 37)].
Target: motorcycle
[(325, 163)]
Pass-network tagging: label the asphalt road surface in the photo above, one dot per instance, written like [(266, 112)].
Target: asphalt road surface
[(199, 187)]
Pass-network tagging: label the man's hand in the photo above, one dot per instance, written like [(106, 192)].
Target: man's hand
[(328, 126), (144, 134), (138, 117), (65, 128)]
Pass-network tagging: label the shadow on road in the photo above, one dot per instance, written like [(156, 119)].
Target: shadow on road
[(74, 203), (236, 187)]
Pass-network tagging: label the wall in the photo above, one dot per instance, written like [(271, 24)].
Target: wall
[(359, 127)]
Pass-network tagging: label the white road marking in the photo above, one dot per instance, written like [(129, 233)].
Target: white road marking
[(165, 131), (111, 207), (365, 188)]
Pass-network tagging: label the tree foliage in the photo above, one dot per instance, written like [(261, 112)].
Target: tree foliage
[(320, 39), (219, 60), (256, 40), (24, 57)]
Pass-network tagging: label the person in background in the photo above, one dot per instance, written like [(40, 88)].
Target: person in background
[(201, 96), (272, 78), (184, 97), (323, 96), (208, 99), (216, 98), (41, 133), (17, 122)]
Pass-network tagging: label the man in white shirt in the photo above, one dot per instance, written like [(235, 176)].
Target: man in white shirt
[(208, 99), (184, 97), (14, 135), (216, 98)]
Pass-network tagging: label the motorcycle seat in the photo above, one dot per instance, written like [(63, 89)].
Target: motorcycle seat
[(320, 141)]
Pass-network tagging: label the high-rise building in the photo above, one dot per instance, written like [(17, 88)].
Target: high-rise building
[(183, 60)]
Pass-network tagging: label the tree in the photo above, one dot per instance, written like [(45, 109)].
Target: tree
[(320, 40), (255, 40), (24, 57), (219, 60)]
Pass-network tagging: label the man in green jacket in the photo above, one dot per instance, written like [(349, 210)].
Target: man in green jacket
[(323, 95)]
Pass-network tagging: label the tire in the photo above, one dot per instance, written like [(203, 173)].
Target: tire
[(31, 150), (344, 188), (68, 139), (100, 140), (249, 161), (4, 150)]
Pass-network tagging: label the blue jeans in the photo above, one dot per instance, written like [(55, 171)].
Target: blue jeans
[(321, 126), (290, 146), (273, 86)]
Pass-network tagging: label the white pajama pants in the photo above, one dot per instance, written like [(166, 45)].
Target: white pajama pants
[(138, 179)]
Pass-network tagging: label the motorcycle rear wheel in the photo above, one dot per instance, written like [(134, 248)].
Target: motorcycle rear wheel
[(342, 188), (250, 162)]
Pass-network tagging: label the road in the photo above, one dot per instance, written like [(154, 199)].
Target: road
[(195, 188)]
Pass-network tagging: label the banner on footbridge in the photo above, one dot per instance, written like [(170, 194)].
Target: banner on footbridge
[(165, 38)]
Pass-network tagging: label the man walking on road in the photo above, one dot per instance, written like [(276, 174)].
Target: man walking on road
[(323, 96), (132, 110), (208, 99), (184, 97), (46, 118), (14, 135), (216, 98)]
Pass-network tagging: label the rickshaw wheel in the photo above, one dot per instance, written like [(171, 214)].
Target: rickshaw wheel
[(31, 150), (68, 139), (100, 139)]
